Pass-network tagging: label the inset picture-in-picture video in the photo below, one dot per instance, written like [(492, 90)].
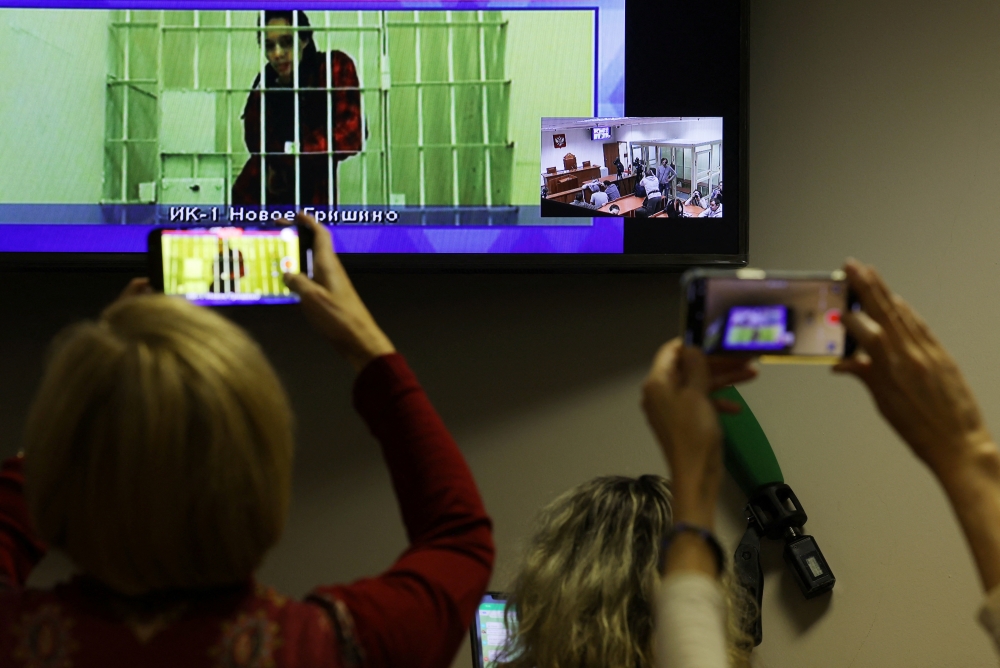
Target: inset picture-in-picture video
[(663, 167)]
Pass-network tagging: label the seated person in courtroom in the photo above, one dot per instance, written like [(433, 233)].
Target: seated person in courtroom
[(717, 193), (612, 192), (694, 200), (600, 198), (714, 210), (579, 201), (675, 209), (314, 144)]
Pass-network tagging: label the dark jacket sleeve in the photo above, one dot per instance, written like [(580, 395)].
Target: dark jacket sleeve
[(417, 613), (20, 548)]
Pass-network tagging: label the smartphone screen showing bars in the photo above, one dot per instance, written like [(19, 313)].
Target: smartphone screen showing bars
[(230, 265)]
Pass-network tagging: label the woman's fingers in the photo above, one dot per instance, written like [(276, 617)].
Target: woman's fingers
[(862, 283), (694, 368), (919, 333), (299, 283), (724, 364), (733, 377), (328, 269), (323, 240), (137, 286), (882, 305), (731, 370), (868, 334), (665, 361), (859, 365), (727, 406)]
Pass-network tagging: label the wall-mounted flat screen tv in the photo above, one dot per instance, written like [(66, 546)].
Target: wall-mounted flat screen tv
[(411, 128)]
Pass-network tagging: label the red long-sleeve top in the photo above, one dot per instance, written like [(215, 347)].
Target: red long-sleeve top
[(314, 142), (413, 615)]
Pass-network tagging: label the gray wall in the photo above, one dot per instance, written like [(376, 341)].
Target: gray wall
[(874, 133)]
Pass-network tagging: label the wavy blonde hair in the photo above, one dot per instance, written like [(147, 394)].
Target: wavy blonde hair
[(158, 450), (584, 597)]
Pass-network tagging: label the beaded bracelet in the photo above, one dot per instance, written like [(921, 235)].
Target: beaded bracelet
[(705, 534)]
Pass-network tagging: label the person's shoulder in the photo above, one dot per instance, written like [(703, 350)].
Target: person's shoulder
[(31, 617), (342, 70), (277, 604), (27, 611), (340, 59), (255, 86), (303, 625)]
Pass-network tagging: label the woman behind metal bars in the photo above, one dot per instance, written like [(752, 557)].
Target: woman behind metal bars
[(317, 165)]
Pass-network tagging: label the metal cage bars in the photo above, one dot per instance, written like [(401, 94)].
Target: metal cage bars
[(386, 171)]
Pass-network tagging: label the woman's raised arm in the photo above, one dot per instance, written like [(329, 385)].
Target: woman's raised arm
[(416, 613)]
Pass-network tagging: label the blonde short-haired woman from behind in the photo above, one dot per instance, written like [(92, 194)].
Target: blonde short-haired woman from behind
[(586, 595), (158, 457)]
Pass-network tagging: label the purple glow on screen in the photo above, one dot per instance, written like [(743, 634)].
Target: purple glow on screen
[(757, 328), (604, 236)]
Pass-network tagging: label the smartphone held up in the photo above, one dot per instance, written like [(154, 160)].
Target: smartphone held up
[(789, 317), (219, 266)]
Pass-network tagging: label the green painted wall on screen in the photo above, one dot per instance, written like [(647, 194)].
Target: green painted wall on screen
[(550, 59), (52, 105), (537, 63)]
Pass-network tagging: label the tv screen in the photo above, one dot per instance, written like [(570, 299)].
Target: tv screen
[(412, 130), (660, 167)]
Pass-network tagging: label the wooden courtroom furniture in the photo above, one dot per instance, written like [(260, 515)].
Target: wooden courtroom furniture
[(625, 187), (565, 183), (583, 175), (569, 161), (691, 210)]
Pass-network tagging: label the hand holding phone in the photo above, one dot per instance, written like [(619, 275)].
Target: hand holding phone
[(269, 265), (332, 304), (915, 382), (777, 316), (219, 266)]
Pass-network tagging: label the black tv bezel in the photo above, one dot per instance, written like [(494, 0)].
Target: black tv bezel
[(481, 262)]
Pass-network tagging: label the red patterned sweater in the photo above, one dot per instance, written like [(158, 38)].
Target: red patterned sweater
[(279, 111), (414, 614)]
